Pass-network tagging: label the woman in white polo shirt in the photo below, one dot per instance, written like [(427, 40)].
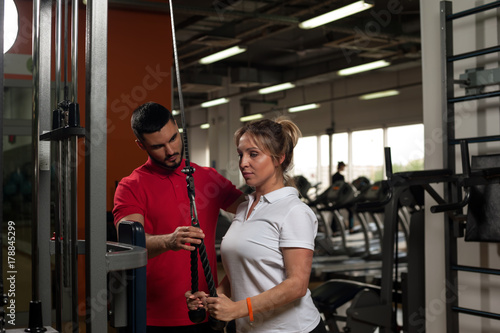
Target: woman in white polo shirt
[(267, 251)]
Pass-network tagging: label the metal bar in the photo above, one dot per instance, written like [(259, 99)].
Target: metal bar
[(473, 54), (388, 162), (474, 97), (44, 176), (58, 225), (69, 242), (65, 53), (42, 16), (477, 313), (35, 134), (472, 11), (73, 224), (95, 161), (464, 149), (386, 285), (58, 49), (59, 215), (122, 256), (448, 127), (74, 51), (478, 139), (66, 231), (476, 269)]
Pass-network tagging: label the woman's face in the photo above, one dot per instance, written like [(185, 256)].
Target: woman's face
[(257, 167)]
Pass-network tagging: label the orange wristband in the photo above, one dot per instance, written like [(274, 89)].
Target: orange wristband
[(250, 311)]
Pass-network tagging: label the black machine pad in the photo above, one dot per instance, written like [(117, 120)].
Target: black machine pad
[(483, 216)]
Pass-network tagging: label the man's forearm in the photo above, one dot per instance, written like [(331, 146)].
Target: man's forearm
[(156, 244)]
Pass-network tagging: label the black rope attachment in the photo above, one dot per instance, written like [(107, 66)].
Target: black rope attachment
[(199, 315)]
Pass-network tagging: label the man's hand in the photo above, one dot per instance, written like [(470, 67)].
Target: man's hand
[(183, 237)]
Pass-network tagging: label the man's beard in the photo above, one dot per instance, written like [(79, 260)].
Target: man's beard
[(171, 167)]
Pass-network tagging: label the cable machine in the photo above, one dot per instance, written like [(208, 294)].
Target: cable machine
[(55, 132)]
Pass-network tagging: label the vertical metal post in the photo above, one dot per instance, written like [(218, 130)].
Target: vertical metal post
[(69, 193), (74, 51), (329, 132), (95, 166), (387, 283), (448, 113), (73, 159), (42, 19), (58, 25), (58, 202)]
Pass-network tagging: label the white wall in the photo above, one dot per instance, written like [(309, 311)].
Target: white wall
[(473, 119), (340, 102)]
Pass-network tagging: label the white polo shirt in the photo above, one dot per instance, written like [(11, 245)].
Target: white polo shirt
[(253, 261)]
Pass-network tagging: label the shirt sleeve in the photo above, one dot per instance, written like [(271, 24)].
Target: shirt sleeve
[(299, 228), (126, 202)]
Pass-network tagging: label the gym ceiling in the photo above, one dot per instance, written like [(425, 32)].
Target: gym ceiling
[(277, 49)]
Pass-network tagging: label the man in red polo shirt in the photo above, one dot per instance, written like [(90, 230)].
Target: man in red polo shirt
[(155, 195)]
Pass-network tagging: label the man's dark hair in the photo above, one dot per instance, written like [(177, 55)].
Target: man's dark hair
[(149, 118)]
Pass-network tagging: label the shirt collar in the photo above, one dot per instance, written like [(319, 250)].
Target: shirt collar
[(278, 194), (162, 172)]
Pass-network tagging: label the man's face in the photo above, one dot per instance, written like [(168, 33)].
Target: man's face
[(165, 147)]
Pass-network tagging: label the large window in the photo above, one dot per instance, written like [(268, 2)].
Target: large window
[(367, 155), (306, 158), (362, 151), (407, 147)]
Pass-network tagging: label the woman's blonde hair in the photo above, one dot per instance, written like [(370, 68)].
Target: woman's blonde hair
[(275, 137)]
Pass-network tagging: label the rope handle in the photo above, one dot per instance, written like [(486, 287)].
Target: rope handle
[(199, 315)]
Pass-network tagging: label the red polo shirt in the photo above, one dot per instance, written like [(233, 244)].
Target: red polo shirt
[(161, 197)]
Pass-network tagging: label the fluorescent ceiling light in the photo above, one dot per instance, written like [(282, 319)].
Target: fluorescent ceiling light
[(363, 68), (10, 24), (275, 88), (379, 94), (205, 126), (251, 117), (336, 14), (214, 102), (222, 54), (175, 112), (304, 107)]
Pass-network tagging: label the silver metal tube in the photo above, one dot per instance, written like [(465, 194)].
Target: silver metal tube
[(35, 136), (58, 50), (74, 51), (74, 168), (58, 225), (95, 143), (59, 200), (65, 53), (73, 181), (41, 54)]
